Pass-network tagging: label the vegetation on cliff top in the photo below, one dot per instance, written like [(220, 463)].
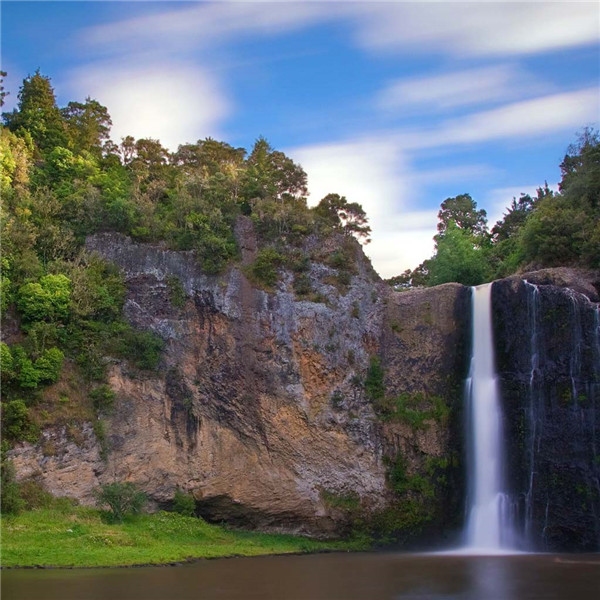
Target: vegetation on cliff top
[(63, 179), (549, 230)]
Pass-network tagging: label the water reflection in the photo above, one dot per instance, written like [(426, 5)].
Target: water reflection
[(368, 576)]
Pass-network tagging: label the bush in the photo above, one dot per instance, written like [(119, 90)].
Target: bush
[(264, 268), (47, 300), (103, 398), (10, 497), (15, 422), (123, 499), (374, 386), (49, 365), (6, 362), (184, 504), (142, 348), (177, 294)]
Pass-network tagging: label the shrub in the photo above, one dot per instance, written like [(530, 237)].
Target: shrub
[(10, 497), (374, 386), (103, 398), (34, 495), (264, 268), (123, 499), (6, 362), (184, 504), (177, 294), (142, 348), (46, 300), (49, 365), (15, 422)]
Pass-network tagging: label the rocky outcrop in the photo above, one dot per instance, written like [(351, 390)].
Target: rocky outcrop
[(258, 408), (548, 355)]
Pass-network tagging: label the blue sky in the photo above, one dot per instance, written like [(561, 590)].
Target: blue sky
[(397, 105)]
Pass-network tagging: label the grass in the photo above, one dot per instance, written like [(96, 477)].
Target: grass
[(78, 537)]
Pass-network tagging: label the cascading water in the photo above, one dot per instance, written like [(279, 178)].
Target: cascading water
[(489, 527)]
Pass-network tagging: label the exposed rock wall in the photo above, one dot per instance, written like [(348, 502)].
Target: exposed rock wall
[(256, 409), (548, 355)]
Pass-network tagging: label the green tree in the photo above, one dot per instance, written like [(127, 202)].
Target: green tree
[(46, 300), (459, 258), (462, 211), (123, 499), (49, 365), (271, 174), (3, 94), (10, 496), (349, 217), (88, 125), (580, 170), (38, 114)]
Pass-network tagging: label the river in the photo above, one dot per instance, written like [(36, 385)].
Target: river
[(359, 576)]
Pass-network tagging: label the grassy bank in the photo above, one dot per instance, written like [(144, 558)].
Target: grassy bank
[(78, 537)]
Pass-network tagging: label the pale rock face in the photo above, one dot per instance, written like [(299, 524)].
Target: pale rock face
[(253, 409)]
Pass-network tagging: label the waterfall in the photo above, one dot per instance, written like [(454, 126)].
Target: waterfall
[(535, 403), (489, 526)]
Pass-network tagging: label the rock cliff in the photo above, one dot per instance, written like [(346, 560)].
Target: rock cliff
[(548, 356), (258, 407)]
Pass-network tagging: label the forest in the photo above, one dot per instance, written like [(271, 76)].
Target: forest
[(63, 179)]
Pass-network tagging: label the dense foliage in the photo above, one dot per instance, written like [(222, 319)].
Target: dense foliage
[(63, 178), (549, 230)]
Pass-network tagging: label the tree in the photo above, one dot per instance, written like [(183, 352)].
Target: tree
[(209, 156), (123, 499), (580, 170), (462, 211), (513, 219), (38, 113), (88, 125), (458, 258), (349, 217), (3, 94), (271, 174)]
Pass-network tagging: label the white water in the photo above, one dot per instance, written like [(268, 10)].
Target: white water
[(489, 529)]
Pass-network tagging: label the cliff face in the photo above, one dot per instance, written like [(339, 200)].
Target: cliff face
[(257, 408), (548, 355)]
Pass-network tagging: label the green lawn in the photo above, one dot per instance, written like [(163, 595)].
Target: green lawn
[(77, 536)]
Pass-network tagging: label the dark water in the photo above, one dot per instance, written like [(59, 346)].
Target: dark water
[(373, 576)]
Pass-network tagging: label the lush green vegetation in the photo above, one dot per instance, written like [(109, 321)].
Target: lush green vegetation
[(63, 178), (549, 230), (66, 535)]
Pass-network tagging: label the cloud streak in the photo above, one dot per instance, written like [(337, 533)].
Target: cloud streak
[(478, 29), (539, 116), (447, 91)]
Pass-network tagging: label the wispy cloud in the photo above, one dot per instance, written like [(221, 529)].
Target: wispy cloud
[(202, 24), (481, 29), (454, 89), (524, 119)]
